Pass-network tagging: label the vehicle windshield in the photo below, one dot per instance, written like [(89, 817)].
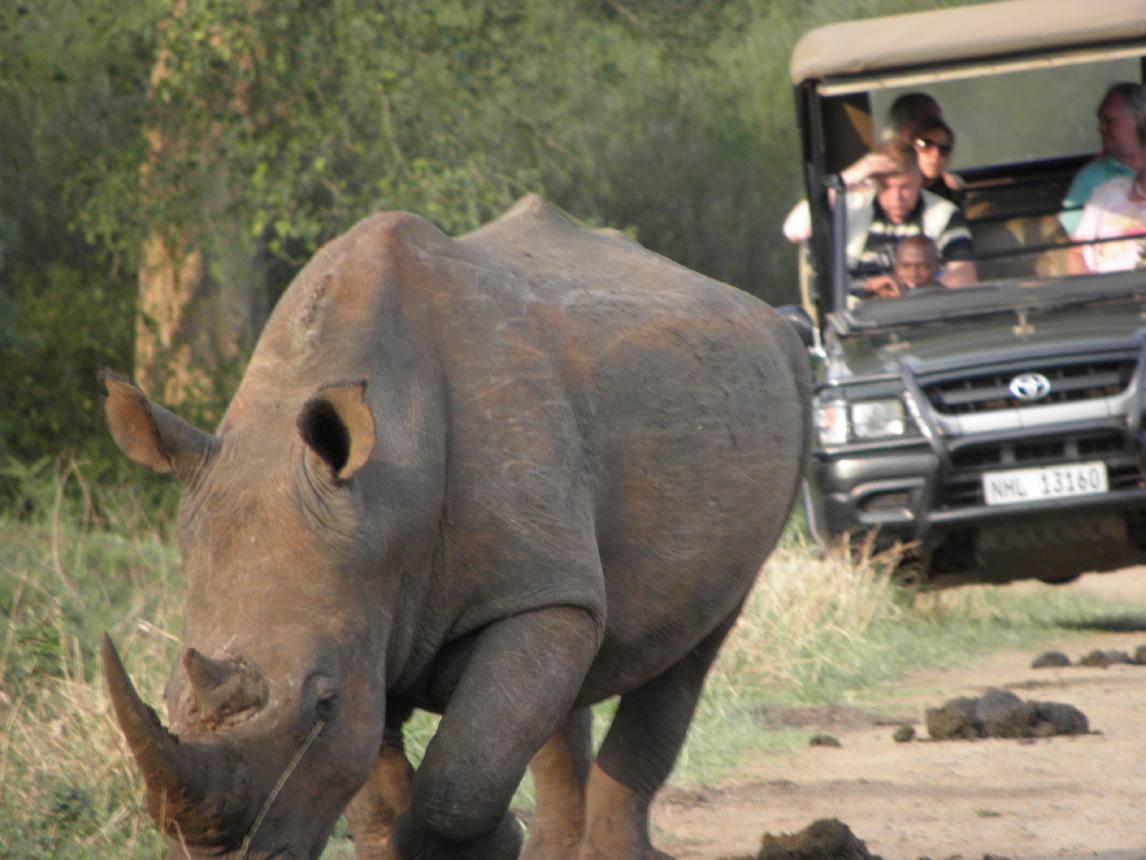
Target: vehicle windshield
[(1029, 115), (1018, 140)]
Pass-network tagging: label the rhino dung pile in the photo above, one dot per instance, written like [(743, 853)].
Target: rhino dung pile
[(1049, 659), (826, 839), (1001, 714)]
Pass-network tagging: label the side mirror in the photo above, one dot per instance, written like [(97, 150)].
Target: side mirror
[(798, 318)]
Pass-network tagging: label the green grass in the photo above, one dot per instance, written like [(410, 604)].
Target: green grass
[(78, 561)]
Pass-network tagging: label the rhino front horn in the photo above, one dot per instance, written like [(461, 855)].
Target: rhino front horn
[(196, 791)]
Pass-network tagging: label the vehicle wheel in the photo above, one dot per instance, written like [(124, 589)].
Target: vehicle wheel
[(911, 576), (1060, 580)]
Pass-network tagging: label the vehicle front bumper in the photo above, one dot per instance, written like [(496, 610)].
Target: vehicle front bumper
[(896, 495)]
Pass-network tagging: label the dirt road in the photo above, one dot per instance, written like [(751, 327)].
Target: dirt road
[(1073, 797)]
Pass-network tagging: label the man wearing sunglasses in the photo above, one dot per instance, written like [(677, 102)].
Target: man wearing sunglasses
[(933, 141)]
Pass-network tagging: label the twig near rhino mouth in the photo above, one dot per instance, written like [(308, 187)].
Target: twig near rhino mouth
[(182, 841), (314, 732)]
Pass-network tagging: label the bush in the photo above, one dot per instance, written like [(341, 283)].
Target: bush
[(70, 324)]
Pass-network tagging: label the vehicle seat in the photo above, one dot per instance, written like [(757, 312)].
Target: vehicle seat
[(1013, 235), (1007, 218)]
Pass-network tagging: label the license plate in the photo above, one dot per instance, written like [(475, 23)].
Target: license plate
[(1052, 482)]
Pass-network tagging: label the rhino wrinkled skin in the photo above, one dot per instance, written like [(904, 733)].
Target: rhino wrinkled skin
[(500, 478)]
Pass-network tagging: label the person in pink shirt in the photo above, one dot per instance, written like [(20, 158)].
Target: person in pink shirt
[(1116, 208)]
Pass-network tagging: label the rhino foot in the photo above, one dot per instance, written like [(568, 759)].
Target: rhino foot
[(411, 843)]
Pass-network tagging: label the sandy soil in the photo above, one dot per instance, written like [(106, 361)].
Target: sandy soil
[(1074, 797)]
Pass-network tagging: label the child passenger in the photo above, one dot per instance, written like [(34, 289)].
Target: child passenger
[(916, 265)]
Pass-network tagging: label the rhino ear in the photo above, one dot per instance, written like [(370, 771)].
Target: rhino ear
[(150, 435), (338, 426)]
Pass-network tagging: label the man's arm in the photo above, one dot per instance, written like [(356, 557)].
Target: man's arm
[(883, 287), (798, 224), (960, 273), (1086, 227), (1076, 262), (1081, 185)]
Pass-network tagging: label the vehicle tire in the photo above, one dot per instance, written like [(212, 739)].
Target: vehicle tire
[(910, 576), (1062, 579)]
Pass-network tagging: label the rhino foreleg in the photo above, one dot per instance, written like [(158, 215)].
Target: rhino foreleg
[(560, 776), (519, 684), (638, 753), (386, 795)]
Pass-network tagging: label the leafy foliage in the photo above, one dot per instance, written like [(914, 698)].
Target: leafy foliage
[(258, 131)]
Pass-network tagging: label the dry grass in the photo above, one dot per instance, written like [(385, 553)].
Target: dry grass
[(799, 603), (67, 785), (813, 631)]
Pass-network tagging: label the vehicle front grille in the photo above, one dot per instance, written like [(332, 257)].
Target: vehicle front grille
[(964, 485), (1068, 383)]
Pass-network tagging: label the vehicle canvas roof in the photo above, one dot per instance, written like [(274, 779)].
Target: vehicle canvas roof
[(1013, 31)]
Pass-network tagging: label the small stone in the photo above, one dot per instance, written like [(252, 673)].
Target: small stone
[(1094, 658), (1050, 658), (1064, 719), (1002, 714), (955, 719), (1103, 658), (823, 741), (1140, 655), (826, 839), (904, 734)]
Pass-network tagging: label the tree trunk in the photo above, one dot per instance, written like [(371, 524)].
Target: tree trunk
[(202, 285), (200, 310)]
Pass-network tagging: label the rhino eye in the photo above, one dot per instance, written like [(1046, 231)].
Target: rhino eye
[(325, 706)]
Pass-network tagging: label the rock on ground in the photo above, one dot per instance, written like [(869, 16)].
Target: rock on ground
[(1000, 713), (825, 839)]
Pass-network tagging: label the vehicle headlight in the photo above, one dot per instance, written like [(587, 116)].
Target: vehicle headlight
[(839, 422), (832, 422), (878, 419)]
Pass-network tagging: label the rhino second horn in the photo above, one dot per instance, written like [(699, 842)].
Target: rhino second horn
[(197, 790), (223, 689)]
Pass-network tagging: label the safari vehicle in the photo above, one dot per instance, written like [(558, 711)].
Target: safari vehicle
[(994, 432)]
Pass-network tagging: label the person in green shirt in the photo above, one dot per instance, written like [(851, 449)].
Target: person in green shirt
[(1117, 112)]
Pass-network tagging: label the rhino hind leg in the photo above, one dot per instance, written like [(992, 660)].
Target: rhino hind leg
[(638, 753), (386, 795), (560, 772)]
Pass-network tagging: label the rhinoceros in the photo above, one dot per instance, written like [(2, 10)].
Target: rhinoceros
[(500, 478)]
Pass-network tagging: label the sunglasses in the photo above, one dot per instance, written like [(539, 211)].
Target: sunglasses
[(922, 143)]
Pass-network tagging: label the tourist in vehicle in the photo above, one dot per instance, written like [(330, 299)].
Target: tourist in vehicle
[(916, 265), (932, 139), (885, 203), (1115, 208), (1118, 112), (911, 109)]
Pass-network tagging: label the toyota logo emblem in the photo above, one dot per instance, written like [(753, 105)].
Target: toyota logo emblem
[(1030, 386)]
